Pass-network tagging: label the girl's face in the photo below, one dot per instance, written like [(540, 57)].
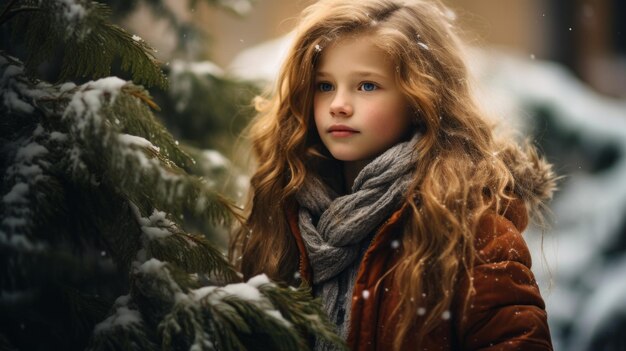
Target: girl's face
[(359, 109)]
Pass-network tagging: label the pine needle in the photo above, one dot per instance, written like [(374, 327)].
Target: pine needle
[(87, 42)]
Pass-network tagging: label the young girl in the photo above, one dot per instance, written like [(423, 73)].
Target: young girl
[(382, 186)]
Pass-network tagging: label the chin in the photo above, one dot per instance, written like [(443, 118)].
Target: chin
[(342, 156), (348, 157)]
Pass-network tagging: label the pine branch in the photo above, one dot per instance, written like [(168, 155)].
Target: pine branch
[(94, 154), (123, 330), (28, 159), (99, 114), (87, 146), (90, 43), (9, 12), (60, 153), (164, 240), (299, 307), (232, 317), (204, 105)]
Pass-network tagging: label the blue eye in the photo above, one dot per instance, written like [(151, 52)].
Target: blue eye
[(368, 87), (324, 87)]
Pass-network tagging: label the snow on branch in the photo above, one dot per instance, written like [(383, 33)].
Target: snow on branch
[(100, 127), (164, 240), (227, 317), (125, 329), (115, 129)]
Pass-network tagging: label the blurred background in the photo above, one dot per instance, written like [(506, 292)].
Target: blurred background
[(586, 36), (554, 69)]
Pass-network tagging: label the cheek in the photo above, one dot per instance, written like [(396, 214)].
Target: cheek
[(390, 118), (318, 119), (317, 109)]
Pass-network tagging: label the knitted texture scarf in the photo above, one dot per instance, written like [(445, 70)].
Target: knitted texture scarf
[(338, 229)]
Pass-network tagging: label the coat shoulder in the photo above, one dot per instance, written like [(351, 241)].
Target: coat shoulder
[(504, 309)]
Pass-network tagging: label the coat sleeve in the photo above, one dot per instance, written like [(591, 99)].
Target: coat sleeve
[(505, 311)]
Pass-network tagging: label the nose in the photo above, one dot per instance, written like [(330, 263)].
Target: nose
[(341, 105)]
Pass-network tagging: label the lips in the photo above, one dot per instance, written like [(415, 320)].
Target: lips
[(340, 130)]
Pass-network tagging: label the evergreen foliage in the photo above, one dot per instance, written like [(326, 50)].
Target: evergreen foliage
[(205, 106), (95, 200), (89, 41)]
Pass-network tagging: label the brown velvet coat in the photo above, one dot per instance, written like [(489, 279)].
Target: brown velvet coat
[(506, 313)]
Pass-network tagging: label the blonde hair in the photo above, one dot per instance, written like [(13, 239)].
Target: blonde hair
[(460, 173)]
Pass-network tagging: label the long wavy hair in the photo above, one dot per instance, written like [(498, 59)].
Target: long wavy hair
[(462, 171)]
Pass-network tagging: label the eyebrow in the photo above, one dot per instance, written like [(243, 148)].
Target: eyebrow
[(357, 73)]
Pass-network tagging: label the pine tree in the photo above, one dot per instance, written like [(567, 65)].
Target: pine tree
[(96, 196)]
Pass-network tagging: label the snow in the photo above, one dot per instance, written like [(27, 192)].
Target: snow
[(278, 316), (22, 176), (84, 110), (156, 226), (71, 15), (197, 68), (248, 291), (243, 291), (13, 222), (395, 244), (17, 194), (11, 71), (203, 292), (445, 315), (29, 152), (17, 92), (29, 171), (65, 87), (58, 136), (14, 104), (14, 80), (202, 341), (84, 107), (215, 159), (258, 280), (73, 11), (151, 266), (156, 233), (19, 241), (123, 317), (149, 163), (128, 139), (423, 46), (262, 62)]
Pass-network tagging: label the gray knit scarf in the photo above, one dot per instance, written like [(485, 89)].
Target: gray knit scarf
[(338, 229)]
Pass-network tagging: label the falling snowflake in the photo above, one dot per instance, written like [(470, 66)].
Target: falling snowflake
[(366, 294)]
